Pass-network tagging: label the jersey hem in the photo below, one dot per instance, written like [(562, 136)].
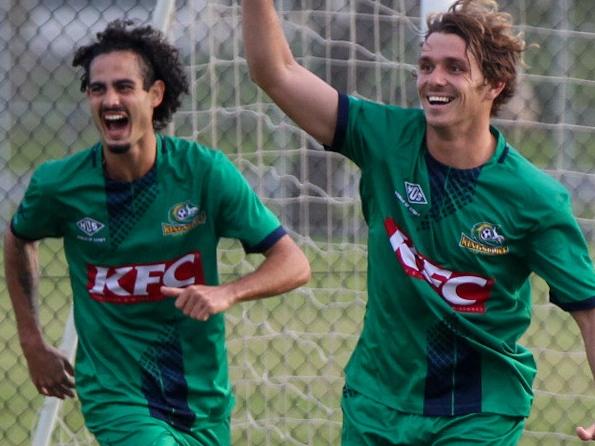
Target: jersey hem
[(513, 411)]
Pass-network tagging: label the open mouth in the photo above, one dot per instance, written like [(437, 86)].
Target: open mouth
[(115, 121), (439, 100)]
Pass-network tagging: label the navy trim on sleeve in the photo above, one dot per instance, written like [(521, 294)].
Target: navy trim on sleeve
[(586, 304), (342, 121), (267, 242)]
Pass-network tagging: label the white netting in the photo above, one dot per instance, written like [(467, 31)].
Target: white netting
[(287, 354)]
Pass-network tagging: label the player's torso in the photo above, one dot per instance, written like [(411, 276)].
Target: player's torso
[(448, 235), (124, 240)]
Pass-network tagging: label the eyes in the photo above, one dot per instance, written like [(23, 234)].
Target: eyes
[(98, 89), (425, 67)]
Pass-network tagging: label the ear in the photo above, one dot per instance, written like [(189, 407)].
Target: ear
[(495, 89), (157, 91)]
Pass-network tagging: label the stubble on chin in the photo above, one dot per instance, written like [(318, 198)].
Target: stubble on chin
[(118, 149)]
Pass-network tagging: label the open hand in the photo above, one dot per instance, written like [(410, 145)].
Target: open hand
[(51, 372)]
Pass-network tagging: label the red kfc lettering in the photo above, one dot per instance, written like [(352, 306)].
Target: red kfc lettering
[(465, 292), (142, 282)]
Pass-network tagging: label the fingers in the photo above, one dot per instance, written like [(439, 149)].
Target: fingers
[(195, 308), (69, 369), (586, 434), (61, 390), (171, 291), (60, 383), (58, 391), (189, 301)]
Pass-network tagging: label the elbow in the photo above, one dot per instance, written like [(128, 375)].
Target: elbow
[(272, 78), (305, 272), (301, 273), (255, 74), (262, 78)]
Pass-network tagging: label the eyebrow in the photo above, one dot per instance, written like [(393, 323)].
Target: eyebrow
[(117, 82), (448, 60)]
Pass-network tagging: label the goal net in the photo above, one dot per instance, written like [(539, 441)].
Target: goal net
[(287, 354)]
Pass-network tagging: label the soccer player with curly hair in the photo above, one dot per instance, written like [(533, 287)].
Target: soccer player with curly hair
[(141, 215)]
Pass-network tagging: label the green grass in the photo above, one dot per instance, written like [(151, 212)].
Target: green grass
[(287, 354)]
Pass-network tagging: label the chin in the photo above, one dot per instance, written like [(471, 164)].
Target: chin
[(438, 123), (118, 148)]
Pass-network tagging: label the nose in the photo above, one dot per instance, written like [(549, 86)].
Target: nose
[(437, 76), (111, 98)]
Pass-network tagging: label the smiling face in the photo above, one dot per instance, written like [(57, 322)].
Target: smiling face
[(121, 107), (450, 84)]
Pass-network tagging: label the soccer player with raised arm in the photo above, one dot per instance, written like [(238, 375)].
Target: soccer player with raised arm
[(141, 215), (457, 219)]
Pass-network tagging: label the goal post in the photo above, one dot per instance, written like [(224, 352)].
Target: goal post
[(48, 415)]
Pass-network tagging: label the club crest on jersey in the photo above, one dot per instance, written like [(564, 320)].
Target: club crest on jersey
[(89, 226), (485, 238), (182, 217), (415, 194)]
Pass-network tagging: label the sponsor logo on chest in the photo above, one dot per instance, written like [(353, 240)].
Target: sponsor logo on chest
[(127, 284), (464, 292), (485, 238), (182, 217)]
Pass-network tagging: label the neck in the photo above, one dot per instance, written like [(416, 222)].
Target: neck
[(132, 164), (461, 149)]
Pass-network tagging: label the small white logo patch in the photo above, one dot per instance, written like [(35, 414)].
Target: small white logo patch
[(415, 193), (89, 226)]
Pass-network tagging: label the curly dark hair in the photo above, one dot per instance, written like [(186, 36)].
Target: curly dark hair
[(159, 61), (489, 37)]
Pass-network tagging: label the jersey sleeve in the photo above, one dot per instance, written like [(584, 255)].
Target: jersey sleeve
[(559, 254), (365, 130), (38, 215), (347, 139), (241, 214)]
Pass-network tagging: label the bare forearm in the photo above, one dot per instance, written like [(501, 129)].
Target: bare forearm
[(309, 101), (285, 268), (22, 279), (267, 50), (585, 320)]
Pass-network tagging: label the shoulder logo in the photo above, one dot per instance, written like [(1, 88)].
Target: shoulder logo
[(89, 226), (484, 238), (415, 193), (182, 217)]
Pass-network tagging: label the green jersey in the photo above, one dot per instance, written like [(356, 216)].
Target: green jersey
[(450, 254), (138, 355)]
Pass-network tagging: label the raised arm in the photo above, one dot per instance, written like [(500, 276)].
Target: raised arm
[(309, 101), (586, 322), (50, 370)]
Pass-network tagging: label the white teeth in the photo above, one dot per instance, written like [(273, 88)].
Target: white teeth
[(110, 117), (441, 99)]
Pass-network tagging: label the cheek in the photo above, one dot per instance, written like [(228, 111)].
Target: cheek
[(419, 82)]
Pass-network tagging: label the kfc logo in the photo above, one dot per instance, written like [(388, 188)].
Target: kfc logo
[(141, 283), (464, 292)]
